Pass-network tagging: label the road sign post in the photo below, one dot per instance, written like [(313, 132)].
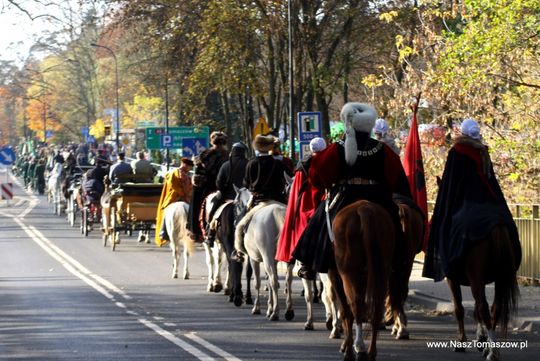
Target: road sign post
[(309, 127)]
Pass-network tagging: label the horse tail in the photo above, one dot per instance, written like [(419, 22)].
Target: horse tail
[(175, 217), (373, 232), (506, 287), (241, 230)]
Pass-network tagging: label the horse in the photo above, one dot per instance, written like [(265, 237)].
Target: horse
[(260, 229), (225, 227), (54, 183), (363, 249), (175, 219), (490, 260), (213, 254), (412, 223)]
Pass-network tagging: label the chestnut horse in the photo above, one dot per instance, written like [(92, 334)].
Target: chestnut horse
[(412, 223), (491, 260), (363, 248)]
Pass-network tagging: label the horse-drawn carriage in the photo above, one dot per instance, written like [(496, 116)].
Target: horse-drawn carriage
[(130, 207)]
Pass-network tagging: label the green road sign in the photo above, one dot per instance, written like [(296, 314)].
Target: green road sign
[(153, 135)]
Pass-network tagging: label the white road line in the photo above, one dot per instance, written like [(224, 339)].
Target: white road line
[(103, 287), (227, 356), (178, 342)]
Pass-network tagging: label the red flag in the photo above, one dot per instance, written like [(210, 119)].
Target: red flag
[(414, 168)]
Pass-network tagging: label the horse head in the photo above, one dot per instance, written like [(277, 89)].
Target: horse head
[(241, 202)]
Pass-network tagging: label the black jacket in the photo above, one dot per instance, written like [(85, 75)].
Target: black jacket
[(265, 178), (231, 173)]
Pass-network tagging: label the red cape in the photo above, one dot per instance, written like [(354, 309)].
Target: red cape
[(303, 200)]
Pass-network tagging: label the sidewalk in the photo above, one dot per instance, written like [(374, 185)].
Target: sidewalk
[(437, 296)]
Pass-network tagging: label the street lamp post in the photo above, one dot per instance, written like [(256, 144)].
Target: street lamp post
[(291, 82), (117, 98)]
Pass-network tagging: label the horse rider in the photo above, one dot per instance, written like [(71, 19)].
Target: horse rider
[(143, 168), (207, 166), (303, 200), (381, 133), (92, 186), (230, 174), (177, 187), (120, 170), (39, 176), (265, 180), (470, 203), (287, 162), (360, 168)]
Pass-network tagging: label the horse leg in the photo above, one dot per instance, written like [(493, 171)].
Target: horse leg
[(289, 311), (479, 293), (176, 257), (455, 288), (308, 297), (210, 267), (330, 304), (346, 315), (186, 265), (273, 306), (216, 253), (249, 276), (256, 310)]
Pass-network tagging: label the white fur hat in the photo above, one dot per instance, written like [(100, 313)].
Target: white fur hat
[(470, 128), (317, 144), (357, 117)]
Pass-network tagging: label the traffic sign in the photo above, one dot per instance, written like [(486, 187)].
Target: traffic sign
[(84, 131), (261, 127), (193, 146), (309, 127), (166, 141), (90, 139), (153, 136), (6, 190), (48, 134), (7, 156)]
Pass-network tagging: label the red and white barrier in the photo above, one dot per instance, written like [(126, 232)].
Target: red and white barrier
[(6, 189)]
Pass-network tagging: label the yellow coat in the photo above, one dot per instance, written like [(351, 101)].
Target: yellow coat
[(176, 187)]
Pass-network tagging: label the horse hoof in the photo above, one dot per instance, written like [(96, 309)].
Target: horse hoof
[(308, 327), (249, 301), (227, 292), (210, 288), (394, 331), (335, 335), (289, 315), (218, 288), (329, 322), (403, 335), (459, 349), (186, 276), (174, 276), (274, 317), (256, 312), (238, 301)]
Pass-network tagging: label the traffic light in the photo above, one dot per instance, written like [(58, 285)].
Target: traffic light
[(107, 130)]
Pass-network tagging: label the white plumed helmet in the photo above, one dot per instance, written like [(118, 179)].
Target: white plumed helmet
[(357, 117)]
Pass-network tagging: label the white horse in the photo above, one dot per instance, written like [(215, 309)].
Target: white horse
[(259, 232), (214, 255), (175, 217), (54, 183)]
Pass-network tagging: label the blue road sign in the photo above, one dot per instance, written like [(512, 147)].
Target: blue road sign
[(84, 131), (309, 127), (90, 139), (7, 156), (193, 146), (166, 141), (48, 134)]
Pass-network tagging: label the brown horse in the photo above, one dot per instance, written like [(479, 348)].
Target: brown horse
[(412, 223), (363, 248), (491, 260)]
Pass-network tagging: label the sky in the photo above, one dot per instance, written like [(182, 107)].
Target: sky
[(18, 32)]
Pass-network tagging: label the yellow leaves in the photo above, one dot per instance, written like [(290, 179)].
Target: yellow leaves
[(98, 129), (372, 81), (389, 16)]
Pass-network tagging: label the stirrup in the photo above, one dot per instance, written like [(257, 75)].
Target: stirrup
[(237, 256), (306, 273)]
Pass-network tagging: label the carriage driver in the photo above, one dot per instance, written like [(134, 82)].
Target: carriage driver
[(265, 180), (361, 168)]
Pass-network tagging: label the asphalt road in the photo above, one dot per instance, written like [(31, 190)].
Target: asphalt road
[(66, 297)]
